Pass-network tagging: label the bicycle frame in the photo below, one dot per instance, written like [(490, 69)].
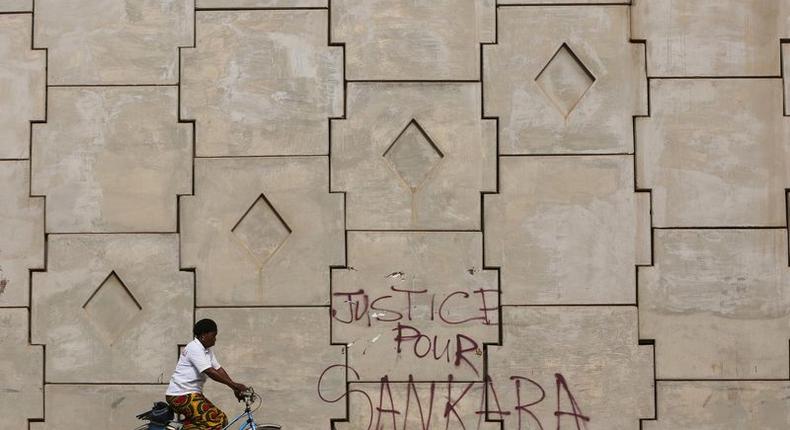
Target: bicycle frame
[(249, 425)]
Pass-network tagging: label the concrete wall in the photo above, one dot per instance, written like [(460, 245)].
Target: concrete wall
[(403, 214)]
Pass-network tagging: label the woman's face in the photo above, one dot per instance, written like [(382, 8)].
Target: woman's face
[(208, 339)]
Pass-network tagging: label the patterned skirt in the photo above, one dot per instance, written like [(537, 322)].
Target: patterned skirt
[(200, 413)]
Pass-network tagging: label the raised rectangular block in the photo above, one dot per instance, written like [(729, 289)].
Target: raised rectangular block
[(717, 303), (112, 308), (714, 152), (252, 4), (711, 37), (786, 75), (567, 230), (282, 354), (112, 159), (16, 6), (554, 2), (99, 406), (412, 40), (22, 377), (564, 79), (415, 304), (262, 82), (22, 233), (22, 84), (413, 156), (722, 405), (118, 42), (571, 367), (275, 230)]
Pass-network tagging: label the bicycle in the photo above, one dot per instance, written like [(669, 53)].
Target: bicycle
[(248, 397)]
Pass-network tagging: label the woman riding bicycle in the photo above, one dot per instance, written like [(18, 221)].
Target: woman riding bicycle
[(185, 392)]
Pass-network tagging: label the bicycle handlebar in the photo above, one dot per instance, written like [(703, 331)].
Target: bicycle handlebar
[(248, 395)]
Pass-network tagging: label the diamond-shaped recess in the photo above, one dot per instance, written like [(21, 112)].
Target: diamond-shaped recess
[(413, 155), (261, 230), (111, 307), (565, 80)]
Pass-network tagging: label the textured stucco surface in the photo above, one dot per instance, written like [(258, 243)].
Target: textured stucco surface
[(261, 83), (403, 214)]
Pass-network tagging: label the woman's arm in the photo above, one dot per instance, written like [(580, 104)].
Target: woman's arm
[(221, 376)]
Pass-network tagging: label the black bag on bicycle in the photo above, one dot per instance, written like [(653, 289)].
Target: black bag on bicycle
[(158, 417)]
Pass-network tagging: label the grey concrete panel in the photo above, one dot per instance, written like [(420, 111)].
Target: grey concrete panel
[(262, 83), (112, 159), (22, 232), (113, 41), (282, 353), (580, 360), (273, 233), (22, 84), (711, 37), (217, 4), (722, 405), (22, 378), (567, 230), (714, 152), (413, 156), (717, 304), (98, 406), (16, 6), (112, 308), (412, 304), (786, 74), (564, 80), (556, 2), (413, 40)]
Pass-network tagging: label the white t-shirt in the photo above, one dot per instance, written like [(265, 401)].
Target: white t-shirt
[(189, 376)]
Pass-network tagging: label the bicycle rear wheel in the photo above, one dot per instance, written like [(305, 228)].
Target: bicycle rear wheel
[(170, 426)]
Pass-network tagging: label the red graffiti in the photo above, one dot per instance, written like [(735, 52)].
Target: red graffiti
[(422, 345), (384, 308), (528, 394)]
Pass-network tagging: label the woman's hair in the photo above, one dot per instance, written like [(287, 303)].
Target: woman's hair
[(204, 326)]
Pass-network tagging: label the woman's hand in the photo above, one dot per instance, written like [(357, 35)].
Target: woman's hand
[(220, 375), (239, 390)]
